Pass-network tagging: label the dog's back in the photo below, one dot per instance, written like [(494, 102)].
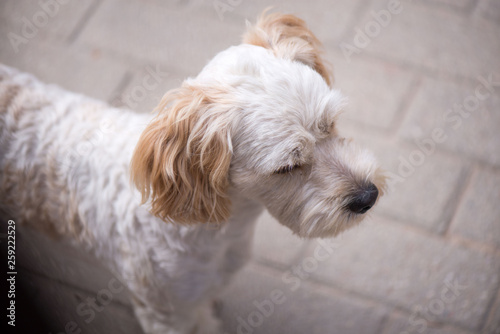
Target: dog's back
[(21, 105), (58, 152)]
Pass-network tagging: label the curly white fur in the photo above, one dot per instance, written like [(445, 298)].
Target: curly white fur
[(255, 129)]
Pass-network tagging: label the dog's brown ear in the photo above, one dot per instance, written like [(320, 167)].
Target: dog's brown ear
[(182, 159), (288, 37)]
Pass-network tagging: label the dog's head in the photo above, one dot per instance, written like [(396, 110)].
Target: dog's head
[(259, 120)]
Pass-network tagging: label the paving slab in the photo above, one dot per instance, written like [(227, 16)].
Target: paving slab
[(260, 302), (146, 86), (492, 325), (415, 271), (423, 185), (419, 35), (466, 113), (185, 38), (61, 262), (489, 9), (276, 243), (465, 6), (45, 20), (375, 89), (430, 206), (415, 323), (478, 215), (67, 310), (325, 18), (81, 70)]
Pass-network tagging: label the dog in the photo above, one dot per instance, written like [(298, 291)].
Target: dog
[(169, 201)]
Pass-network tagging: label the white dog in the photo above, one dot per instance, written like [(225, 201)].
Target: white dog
[(255, 129)]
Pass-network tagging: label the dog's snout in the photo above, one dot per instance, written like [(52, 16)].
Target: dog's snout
[(364, 199)]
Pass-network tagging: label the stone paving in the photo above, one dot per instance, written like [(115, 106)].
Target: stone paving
[(423, 80)]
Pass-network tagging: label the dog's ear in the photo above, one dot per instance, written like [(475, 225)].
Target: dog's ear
[(288, 37), (182, 159)]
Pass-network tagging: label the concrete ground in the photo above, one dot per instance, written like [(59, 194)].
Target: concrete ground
[(423, 80)]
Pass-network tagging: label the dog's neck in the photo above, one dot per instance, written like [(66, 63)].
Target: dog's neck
[(244, 211)]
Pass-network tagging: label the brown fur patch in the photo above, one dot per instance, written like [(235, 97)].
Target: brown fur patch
[(289, 37), (7, 94), (181, 165)]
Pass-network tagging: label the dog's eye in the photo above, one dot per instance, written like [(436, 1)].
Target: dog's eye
[(286, 169)]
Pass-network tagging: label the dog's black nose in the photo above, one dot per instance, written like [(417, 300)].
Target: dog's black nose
[(364, 199)]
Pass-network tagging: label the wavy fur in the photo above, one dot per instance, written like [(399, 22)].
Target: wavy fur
[(289, 38), (180, 164)]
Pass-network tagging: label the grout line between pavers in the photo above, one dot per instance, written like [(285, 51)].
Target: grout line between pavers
[(464, 157), (419, 229), (296, 260), (83, 22), (413, 224), (464, 12), (271, 264), (484, 164), (388, 322), (403, 109), (388, 304), (301, 253), (381, 134), (136, 62), (361, 9), (456, 198), (456, 241), (490, 310), (74, 287), (479, 15), (477, 245), (424, 71), (315, 282), (472, 9), (356, 14), (382, 328), (120, 88), (406, 315), (456, 201)]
